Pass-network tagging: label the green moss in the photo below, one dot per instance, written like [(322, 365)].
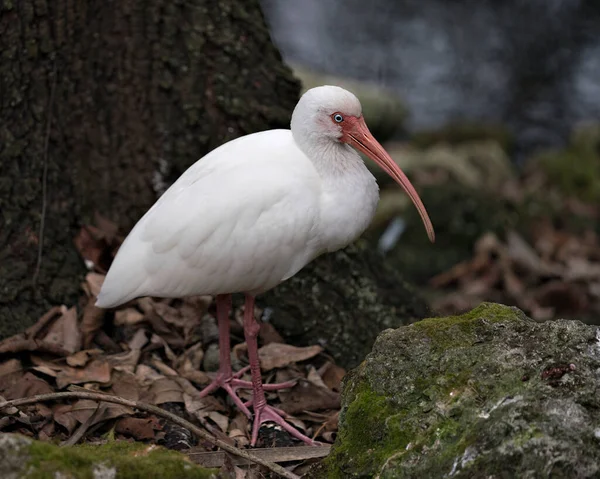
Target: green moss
[(130, 460), (365, 414), (460, 331)]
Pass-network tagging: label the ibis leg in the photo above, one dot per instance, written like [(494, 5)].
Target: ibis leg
[(225, 378), (262, 411)]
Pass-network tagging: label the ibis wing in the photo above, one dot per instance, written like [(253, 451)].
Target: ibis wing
[(221, 228)]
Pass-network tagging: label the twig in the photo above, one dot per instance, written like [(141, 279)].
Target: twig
[(275, 454), (45, 177), (84, 427), (19, 345), (276, 468)]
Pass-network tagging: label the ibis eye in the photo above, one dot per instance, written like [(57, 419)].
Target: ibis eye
[(338, 118)]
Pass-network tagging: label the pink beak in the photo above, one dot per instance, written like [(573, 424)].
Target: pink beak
[(357, 134)]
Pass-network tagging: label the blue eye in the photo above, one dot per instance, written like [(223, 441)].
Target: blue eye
[(338, 118)]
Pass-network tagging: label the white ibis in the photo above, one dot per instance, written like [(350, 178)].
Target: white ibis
[(251, 214)]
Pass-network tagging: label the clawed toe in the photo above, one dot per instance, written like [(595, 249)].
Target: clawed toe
[(268, 413)]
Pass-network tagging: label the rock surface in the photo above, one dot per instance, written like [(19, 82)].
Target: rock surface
[(488, 394), (23, 457), (342, 301)]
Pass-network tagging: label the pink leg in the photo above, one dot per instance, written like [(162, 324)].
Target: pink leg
[(262, 411), (225, 378)]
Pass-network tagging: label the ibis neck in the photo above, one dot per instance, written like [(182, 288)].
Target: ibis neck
[(349, 192)]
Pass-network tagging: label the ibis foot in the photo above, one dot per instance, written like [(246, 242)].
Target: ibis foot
[(230, 383), (266, 413)]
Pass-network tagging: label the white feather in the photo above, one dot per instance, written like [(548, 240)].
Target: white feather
[(244, 218)]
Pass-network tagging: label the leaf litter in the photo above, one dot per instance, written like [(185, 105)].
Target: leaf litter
[(554, 273), (162, 352)]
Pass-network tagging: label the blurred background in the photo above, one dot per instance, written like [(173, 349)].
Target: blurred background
[(492, 109)]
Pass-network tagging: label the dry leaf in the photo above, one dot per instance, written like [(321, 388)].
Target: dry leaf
[(219, 419), (29, 385), (83, 409), (91, 323), (166, 390), (90, 248), (93, 284), (332, 376), (237, 429), (315, 378), (268, 334), (64, 331), (278, 355), (142, 429), (128, 317), (81, 358), (305, 396), (11, 371), (97, 371)]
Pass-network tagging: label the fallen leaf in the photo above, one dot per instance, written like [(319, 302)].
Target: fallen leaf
[(581, 269), (64, 331), (63, 415), (162, 330), (11, 371), (166, 390), (219, 419), (128, 317), (125, 385), (332, 376), (97, 371), (83, 409), (81, 358), (29, 385), (146, 375), (524, 255), (47, 432), (278, 355), (305, 396), (201, 407), (315, 378), (91, 323), (237, 429), (42, 323), (142, 429), (268, 334), (93, 284)]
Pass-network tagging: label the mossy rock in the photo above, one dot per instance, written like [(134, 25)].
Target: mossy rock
[(342, 301), (462, 132), (575, 170), (22, 457), (489, 394)]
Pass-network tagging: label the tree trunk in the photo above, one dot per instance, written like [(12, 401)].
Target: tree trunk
[(102, 104)]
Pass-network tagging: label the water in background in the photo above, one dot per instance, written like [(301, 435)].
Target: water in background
[(532, 64)]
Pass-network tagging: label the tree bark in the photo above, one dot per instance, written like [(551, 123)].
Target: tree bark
[(102, 104)]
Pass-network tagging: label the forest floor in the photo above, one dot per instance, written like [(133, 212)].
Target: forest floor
[(163, 352)]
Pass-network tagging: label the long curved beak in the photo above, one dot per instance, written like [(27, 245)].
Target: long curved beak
[(359, 136)]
